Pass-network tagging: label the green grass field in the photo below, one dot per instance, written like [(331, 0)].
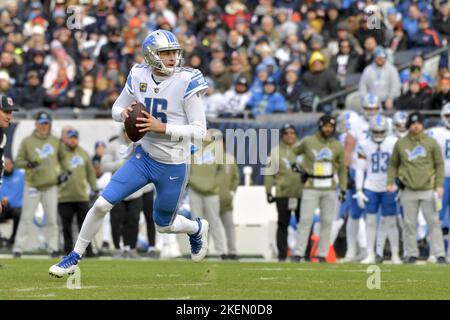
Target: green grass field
[(183, 279)]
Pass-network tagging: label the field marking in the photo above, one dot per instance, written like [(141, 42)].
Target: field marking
[(311, 269)]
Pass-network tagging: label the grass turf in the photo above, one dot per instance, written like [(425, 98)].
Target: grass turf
[(216, 280)]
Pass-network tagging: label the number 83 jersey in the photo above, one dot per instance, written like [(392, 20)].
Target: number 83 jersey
[(378, 156), (166, 101)]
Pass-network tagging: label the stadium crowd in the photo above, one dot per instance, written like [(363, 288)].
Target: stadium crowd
[(259, 57)]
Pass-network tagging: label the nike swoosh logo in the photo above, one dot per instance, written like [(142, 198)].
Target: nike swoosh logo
[(173, 178)]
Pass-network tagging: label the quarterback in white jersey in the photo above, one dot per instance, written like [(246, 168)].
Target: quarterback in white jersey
[(442, 136), (374, 155), (174, 114)]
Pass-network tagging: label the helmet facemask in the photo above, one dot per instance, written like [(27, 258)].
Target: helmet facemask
[(445, 115), (153, 59)]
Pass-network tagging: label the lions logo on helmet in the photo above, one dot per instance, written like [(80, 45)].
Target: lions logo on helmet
[(378, 128), (345, 121), (371, 106), (445, 115), (157, 41), (399, 121)]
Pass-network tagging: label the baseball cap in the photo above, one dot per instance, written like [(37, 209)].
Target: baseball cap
[(43, 117), (242, 80), (99, 143), (413, 118), (323, 120), (72, 133), (287, 126), (7, 104)]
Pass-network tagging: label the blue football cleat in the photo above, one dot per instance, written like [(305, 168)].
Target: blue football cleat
[(199, 241), (67, 265)]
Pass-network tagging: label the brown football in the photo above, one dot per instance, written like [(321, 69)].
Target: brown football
[(130, 123)]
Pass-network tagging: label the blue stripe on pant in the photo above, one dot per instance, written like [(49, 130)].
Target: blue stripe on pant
[(169, 179), (444, 213)]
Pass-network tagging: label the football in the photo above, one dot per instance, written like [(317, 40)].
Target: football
[(130, 123)]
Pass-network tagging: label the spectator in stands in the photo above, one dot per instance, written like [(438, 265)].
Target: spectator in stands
[(442, 95), (370, 44), (234, 42), (239, 66), (268, 29), (347, 61), (317, 45), (33, 94), (222, 80), (288, 186), (372, 25), (331, 22), (415, 98), (269, 101), (235, 100), (411, 22), (73, 197), (343, 33), (85, 96), (214, 100), (416, 71), (291, 88), (11, 196), (285, 27), (319, 80), (441, 21), (112, 49), (14, 70), (399, 40), (283, 53), (37, 64), (5, 85), (381, 79), (425, 36), (68, 42), (59, 60), (59, 92)]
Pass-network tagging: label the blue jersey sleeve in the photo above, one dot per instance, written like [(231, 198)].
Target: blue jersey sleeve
[(197, 83)]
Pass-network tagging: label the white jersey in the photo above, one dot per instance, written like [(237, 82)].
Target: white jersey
[(442, 136), (377, 161), (360, 131), (168, 102)]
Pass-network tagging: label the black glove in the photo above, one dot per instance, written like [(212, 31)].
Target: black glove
[(399, 184), (270, 198), (342, 196), (32, 164), (63, 177), (303, 175)]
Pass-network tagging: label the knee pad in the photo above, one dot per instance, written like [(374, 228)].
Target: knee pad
[(163, 229), (102, 205)]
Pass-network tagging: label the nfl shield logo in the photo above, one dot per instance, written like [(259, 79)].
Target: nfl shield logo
[(143, 87), (156, 90)]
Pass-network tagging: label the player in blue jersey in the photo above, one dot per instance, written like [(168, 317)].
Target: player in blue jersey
[(174, 115)]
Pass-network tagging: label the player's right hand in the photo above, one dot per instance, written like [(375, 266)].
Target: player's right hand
[(270, 198), (32, 164), (361, 199), (390, 188), (124, 113)]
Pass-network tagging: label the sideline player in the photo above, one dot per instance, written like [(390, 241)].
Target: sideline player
[(174, 115), (374, 154), (442, 135)]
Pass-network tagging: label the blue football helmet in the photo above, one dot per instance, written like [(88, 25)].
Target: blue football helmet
[(399, 123), (445, 115), (157, 41), (371, 106), (378, 127)]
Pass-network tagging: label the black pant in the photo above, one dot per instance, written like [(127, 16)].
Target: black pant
[(11, 213), (67, 211), (284, 216), (125, 222), (147, 208)]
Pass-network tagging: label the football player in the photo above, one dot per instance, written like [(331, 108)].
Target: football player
[(442, 136), (174, 115), (371, 181)]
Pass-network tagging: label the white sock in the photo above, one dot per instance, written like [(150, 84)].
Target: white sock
[(91, 224), (335, 227), (371, 227), (106, 228), (362, 234), (352, 234), (392, 233), (182, 224), (381, 237)]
